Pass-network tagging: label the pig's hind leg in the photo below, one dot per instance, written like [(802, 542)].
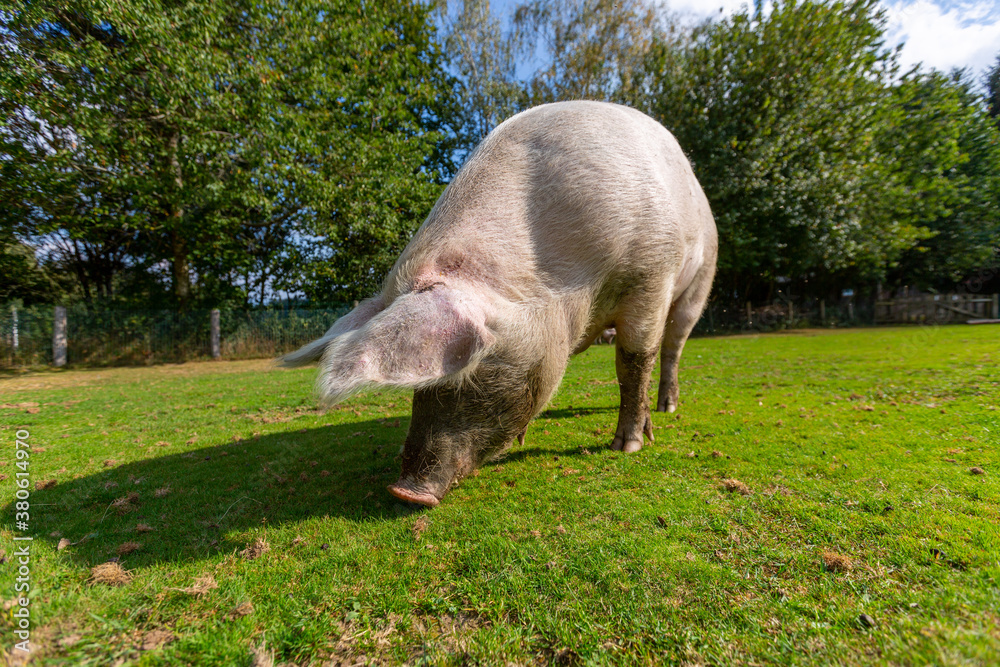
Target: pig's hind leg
[(684, 314), (635, 355)]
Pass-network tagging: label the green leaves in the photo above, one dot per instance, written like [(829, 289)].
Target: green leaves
[(200, 153), (223, 134), (950, 154), (817, 158), (776, 113)]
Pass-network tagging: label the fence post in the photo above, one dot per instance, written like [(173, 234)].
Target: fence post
[(216, 347), (749, 314), (850, 310), (996, 307), (15, 340), (822, 312), (791, 314), (59, 337)]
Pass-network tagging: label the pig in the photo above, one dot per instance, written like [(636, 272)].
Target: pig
[(567, 219)]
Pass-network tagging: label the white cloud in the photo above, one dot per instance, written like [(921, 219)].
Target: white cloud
[(946, 35), (707, 8), (938, 33)]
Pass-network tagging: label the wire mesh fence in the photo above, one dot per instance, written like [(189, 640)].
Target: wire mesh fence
[(25, 336), (130, 337), (268, 333), (731, 317), (103, 337)]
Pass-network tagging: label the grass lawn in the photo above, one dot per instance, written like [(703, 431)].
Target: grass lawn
[(861, 525)]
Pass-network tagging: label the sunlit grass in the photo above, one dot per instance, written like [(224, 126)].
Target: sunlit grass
[(856, 448)]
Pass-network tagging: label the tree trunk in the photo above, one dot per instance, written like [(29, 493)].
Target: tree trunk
[(178, 246), (182, 272), (81, 271)]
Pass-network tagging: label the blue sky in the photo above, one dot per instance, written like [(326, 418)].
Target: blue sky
[(938, 33)]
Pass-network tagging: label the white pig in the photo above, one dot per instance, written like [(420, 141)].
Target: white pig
[(569, 218)]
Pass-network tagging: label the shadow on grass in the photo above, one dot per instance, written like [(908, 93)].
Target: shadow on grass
[(569, 413), (190, 504), (205, 501), (521, 453)]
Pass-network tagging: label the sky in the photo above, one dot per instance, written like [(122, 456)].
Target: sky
[(938, 33)]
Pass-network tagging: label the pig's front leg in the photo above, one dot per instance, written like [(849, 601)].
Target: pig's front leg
[(634, 421)]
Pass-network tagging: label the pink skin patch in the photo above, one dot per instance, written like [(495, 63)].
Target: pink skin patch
[(402, 491)]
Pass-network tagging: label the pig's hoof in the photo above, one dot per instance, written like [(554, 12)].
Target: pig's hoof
[(411, 496), (628, 446)]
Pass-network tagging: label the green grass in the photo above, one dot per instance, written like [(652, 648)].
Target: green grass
[(857, 444)]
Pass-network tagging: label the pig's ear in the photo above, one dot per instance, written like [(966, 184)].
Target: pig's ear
[(422, 338), (313, 352)]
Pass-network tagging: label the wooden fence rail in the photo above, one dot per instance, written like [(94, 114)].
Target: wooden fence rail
[(938, 309)]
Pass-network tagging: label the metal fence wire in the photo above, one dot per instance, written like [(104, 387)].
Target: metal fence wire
[(269, 333), (98, 337), (721, 317), (25, 336), (105, 337)]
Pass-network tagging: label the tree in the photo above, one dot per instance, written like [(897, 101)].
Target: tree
[(992, 82), (484, 54), (781, 114), (378, 109), (194, 131), (543, 51), (23, 278), (595, 48), (949, 148)]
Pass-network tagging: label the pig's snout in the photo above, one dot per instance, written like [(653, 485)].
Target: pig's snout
[(409, 489), (429, 471)]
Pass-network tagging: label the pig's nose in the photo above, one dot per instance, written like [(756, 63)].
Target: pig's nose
[(407, 489)]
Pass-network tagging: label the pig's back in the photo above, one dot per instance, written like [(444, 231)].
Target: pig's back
[(564, 197)]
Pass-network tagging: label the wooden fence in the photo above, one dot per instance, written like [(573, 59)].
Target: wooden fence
[(938, 309)]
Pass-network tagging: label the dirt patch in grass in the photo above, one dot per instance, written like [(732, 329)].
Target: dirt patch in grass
[(154, 639), (258, 548), (127, 503), (431, 639), (835, 562), (282, 415), (109, 574), (736, 486), (261, 656), (240, 610), (201, 585), (127, 548), (419, 526)]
